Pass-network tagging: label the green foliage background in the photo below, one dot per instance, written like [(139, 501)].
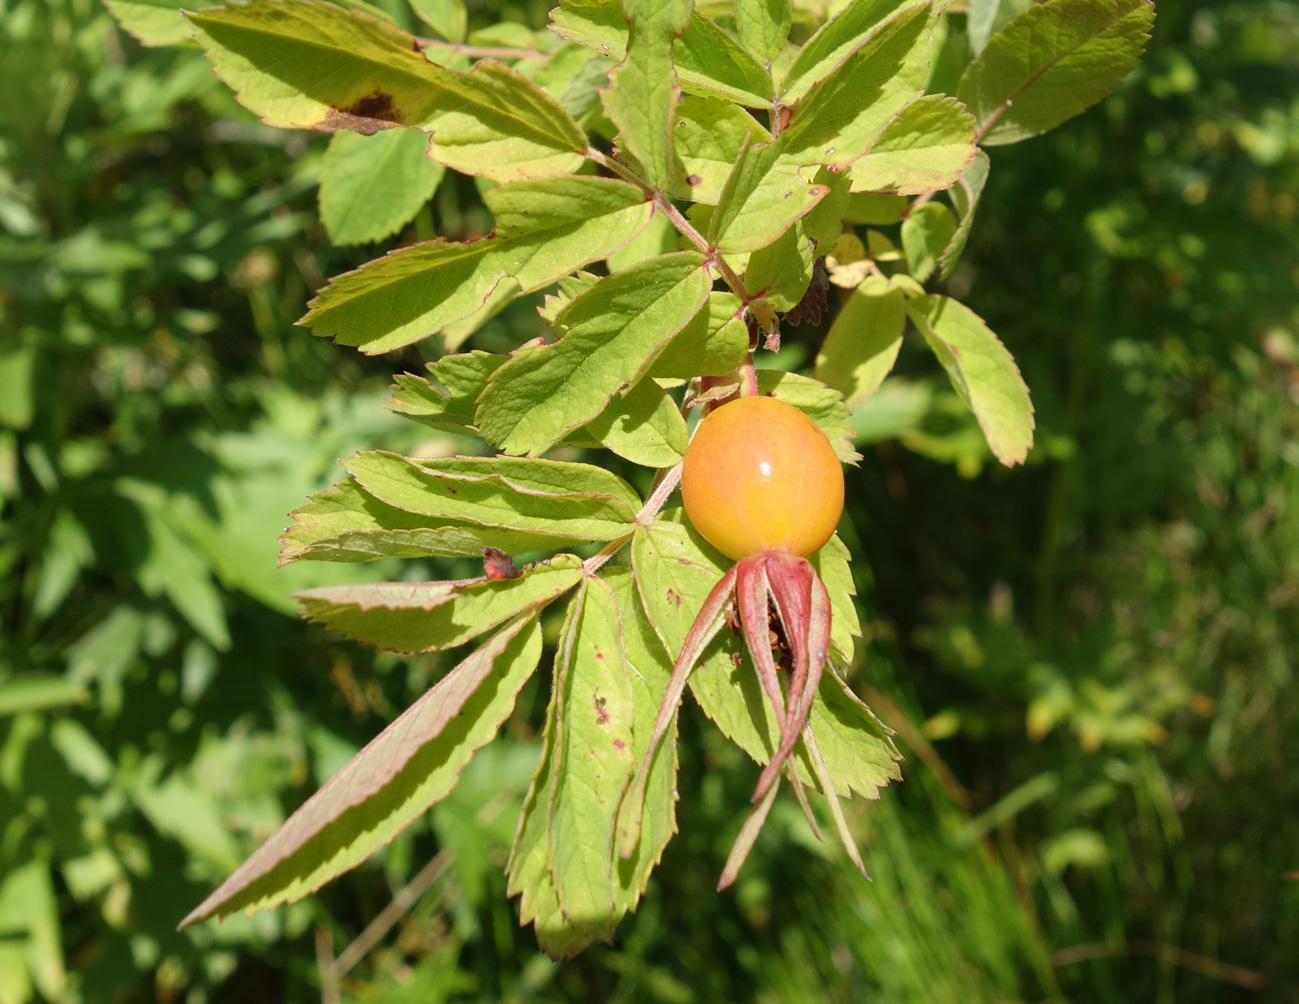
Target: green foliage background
[(1090, 660)]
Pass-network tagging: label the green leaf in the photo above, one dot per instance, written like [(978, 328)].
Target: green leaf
[(839, 119), (449, 18), (966, 196), (642, 95), (857, 747), (650, 668), (613, 334), (372, 186), (927, 147), (708, 61), (833, 565), (347, 523), (546, 495), (763, 26), (782, 271), (659, 238), (305, 65), (545, 229), (982, 371), (833, 43), (1051, 62), (876, 210), (428, 616), (709, 136), (822, 404), (412, 764), (643, 426), (864, 340), (926, 233), (37, 692), (593, 758), (31, 951), (714, 343), (763, 196), (153, 22), (447, 400), (17, 387)]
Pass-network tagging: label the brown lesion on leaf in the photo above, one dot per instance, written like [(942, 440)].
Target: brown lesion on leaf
[(601, 716), (365, 115), (673, 597)]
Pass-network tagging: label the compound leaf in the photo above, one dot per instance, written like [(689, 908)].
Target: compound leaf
[(413, 763), (545, 229), (613, 333)]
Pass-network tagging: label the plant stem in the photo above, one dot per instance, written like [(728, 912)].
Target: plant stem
[(665, 485)]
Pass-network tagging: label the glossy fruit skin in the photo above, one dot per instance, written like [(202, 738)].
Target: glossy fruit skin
[(760, 476)]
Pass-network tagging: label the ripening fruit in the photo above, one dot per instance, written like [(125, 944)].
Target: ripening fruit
[(760, 476)]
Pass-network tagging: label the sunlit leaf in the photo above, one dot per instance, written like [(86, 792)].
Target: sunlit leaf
[(982, 371), (372, 186), (714, 343), (1051, 62), (966, 196), (643, 426), (926, 147), (413, 763), (833, 43), (709, 135), (864, 340), (544, 230), (613, 333), (763, 26), (823, 405), (926, 233), (763, 196), (447, 398)]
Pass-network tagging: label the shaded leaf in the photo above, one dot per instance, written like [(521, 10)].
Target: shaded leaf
[(926, 233), (1051, 62), (982, 371), (413, 763), (864, 340), (613, 333), (37, 692), (153, 22), (449, 18), (427, 616), (926, 147), (446, 400), (966, 196), (545, 229), (714, 343), (372, 186), (304, 65)]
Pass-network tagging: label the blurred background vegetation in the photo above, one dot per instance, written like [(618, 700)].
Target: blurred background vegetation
[(1090, 661)]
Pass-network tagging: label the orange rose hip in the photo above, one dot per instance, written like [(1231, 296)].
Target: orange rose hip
[(760, 476)]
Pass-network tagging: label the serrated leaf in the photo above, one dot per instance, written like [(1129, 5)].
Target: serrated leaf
[(709, 135), (413, 763), (714, 343), (926, 233), (650, 669), (982, 371), (613, 334), (763, 196), (347, 523), (544, 495), (593, 753), (832, 564), (927, 147), (642, 95), (876, 210), (864, 340), (643, 426), (428, 616), (838, 120), (782, 271), (372, 186), (305, 65), (833, 43), (545, 229), (153, 22), (763, 26), (674, 569), (966, 196), (708, 61), (448, 18), (1051, 62), (822, 404), (528, 870), (447, 400)]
